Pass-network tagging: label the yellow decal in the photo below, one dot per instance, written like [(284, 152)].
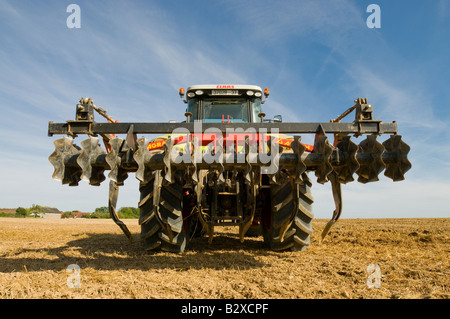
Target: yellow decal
[(283, 142), (155, 145)]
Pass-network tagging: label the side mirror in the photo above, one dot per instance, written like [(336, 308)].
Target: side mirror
[(277, 119), (261, 116), (188, 116)]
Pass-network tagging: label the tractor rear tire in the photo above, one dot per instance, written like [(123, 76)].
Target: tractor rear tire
[(167, 231), (285, 204)]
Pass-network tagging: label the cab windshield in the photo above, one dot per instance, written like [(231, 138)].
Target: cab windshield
[(224, 110)]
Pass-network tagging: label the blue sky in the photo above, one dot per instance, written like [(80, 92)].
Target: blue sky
[(316, 57)]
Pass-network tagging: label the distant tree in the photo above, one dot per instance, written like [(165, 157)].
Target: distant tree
[(21, 212), (129, 212), (102, 209), (101, 213), (124, 212), (36, 210), (4, 214), (68, 215)]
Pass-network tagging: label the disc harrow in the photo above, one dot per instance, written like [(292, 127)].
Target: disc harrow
[(143, 156), (397, 163), (347, 150), (118, 173), (91, 161), (367, 160), (371, 151), (323, 148), (236, 175), (64, 161)]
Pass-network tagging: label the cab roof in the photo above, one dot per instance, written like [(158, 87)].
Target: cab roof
[(224, 86)]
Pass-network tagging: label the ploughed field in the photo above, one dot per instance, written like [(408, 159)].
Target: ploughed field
[(360, 258)]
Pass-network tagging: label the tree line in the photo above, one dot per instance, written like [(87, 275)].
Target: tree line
[(99, 212), (21, 212), (103, 212)]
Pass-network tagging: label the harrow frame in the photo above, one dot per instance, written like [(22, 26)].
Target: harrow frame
[(335, 162)]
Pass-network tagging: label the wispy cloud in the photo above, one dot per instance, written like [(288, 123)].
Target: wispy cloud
[(406, 102), (272, 22)]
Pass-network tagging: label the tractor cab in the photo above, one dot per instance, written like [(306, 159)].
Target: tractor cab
[(224, 103)]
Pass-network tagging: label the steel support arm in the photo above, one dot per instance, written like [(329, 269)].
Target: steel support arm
[(92, 128)]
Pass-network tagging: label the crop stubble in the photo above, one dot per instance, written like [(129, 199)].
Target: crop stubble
[(412, 255)]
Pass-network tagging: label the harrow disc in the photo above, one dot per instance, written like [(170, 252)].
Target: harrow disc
[(117, 173), (324, 148), (141, 156), (397, 168), (248, 172), (195, 152), (275, 150), (168, 146), (90, 156), (372, 165), (63, 159), (348, 153), (298, 149)]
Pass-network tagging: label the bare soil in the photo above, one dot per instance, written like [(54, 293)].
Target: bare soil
[(412, 256)]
